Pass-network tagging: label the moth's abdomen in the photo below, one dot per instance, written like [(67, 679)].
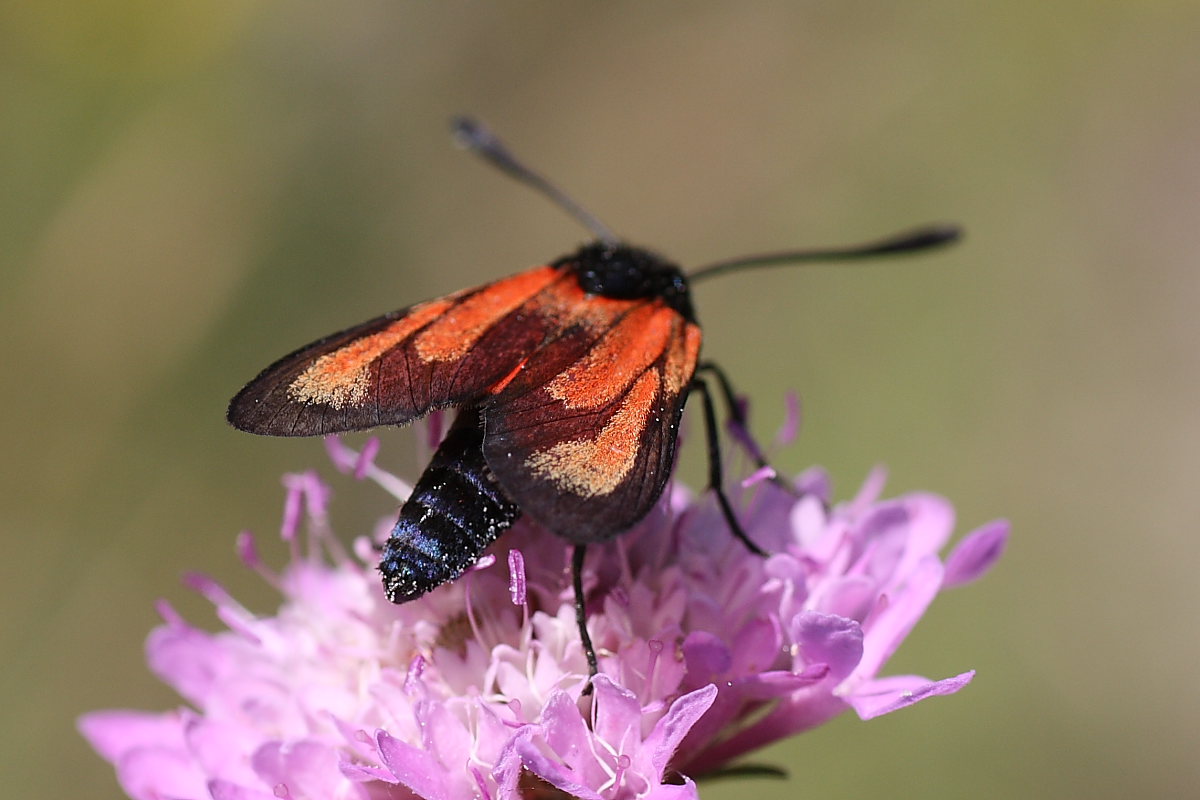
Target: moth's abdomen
[(455, 511)]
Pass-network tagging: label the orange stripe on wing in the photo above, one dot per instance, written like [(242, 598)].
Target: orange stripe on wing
[(566, 303), (681, 360), (596, 467), (342, 378), (454, 334), (507, 379), (625, 352)]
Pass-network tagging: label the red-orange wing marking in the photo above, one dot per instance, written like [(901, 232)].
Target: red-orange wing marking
[(583, 439), (397, 367)]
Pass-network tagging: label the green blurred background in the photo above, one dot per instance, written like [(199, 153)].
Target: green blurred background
[(191, 189)]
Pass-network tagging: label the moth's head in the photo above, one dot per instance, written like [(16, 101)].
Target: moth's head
[(623, 272)]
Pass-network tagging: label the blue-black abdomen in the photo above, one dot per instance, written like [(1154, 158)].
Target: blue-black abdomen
[(455, 511)]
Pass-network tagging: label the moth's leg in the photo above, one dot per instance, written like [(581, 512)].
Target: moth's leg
[(737, 414), (581, 612), (714, 466)]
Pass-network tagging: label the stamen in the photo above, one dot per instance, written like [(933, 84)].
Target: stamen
[(366, 459), (247, 550), (656, 649), (791, 421), (516, 577), (759, 475), (168, 614)]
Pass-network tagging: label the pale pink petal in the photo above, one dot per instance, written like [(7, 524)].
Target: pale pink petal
[(669, 731), (828, 639), (220, 748), (415, 768), (886, 631), (879, 697), (552, 771), (679, 791), (152, 773), (111, 733), (706, 655), (617, 713), (508, 768), (227, 790), (566, 731), (306, 768), (361, 773), (976, 553), (188, 659)]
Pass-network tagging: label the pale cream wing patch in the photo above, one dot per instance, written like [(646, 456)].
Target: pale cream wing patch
[(595, 467), (589, 452)]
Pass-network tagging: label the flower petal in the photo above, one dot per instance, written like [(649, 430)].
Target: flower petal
[(828, 639), (706, 655), (669, 731), (566, 731), (306, 768), (885, 630), (415, 768), (556, 774), (876, 698), (220, 748), (187, 659), (976, 553), (153, 773), (228, 790), (675, 791), (617, 711), (112, 733)]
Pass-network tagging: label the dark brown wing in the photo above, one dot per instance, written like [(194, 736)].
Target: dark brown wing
[(397, 367), (583, 439)]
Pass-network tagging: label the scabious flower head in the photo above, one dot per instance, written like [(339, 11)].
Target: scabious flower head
[(476, 690)]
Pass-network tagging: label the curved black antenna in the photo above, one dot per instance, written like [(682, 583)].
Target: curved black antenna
[(924, 238), (477, 137)]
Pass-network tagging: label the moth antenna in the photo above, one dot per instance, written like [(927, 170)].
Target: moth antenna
[(479, 138), (927, 237)]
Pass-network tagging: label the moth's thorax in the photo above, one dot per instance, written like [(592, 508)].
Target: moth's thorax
[(629, 273)]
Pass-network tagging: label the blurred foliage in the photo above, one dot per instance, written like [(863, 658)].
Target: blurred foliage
[(193, 188)]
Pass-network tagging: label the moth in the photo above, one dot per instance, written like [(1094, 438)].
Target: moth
[(569, 382)]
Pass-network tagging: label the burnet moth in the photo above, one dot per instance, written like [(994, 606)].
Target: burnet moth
[(569, 381)]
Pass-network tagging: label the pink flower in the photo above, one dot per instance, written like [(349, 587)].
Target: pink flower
[(707, 652)]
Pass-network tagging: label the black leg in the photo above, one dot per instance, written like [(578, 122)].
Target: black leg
[(581, 612), (738, 416), (714, 467)]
